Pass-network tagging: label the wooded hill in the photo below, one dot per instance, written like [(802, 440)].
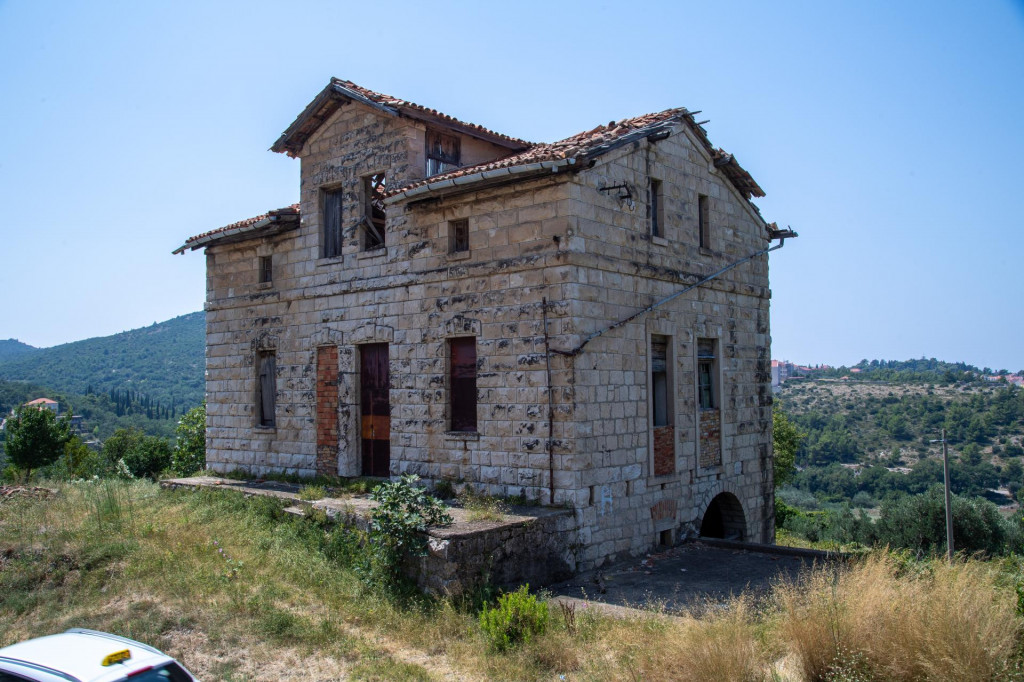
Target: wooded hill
[(163, 363), (887, 427)]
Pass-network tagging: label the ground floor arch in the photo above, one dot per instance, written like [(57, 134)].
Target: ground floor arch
[(724, 518)]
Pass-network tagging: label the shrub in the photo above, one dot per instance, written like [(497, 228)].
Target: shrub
[(149, 458), (918, 522), (517, 618), (310, 493), (399, 524), (190, 447), (77, 462)]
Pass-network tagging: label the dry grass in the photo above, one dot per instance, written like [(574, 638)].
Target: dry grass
[(132, 559), (939, 623)]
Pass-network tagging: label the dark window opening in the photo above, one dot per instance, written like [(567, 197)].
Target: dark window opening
[(654, 208), (459, 235), (266, 388), (443, 152), (463, 384), (707, 368), (659, 380), (266, 269), (332, 224), (374, 188), (703, 228)]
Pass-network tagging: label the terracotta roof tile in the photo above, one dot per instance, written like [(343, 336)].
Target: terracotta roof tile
[(287, 210), (597, 140), (397, 103), (577, 145)]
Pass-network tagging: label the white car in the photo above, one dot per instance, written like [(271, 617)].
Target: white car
[(88, 656)]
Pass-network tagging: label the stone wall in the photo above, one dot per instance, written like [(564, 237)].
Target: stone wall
[(554, 247)]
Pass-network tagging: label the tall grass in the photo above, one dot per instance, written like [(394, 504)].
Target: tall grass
[(936, 622), (239, 590)]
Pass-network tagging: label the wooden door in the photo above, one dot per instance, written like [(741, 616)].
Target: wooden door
[(376, 409)]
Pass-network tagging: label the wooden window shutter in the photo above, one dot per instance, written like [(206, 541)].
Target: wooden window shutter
[(267, 388), (332, 224), (463, 384)]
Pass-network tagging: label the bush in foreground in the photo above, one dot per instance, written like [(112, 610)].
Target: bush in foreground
[(518, 618)]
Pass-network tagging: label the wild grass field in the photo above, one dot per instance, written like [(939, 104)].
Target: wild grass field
[(238, 590)]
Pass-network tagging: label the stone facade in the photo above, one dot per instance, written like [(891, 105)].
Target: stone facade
[(553, 258)]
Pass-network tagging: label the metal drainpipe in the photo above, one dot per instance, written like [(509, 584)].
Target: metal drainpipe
[(548, 350), (551, 408), (780, 235)]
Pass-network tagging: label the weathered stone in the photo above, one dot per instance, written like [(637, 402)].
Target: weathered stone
[(559, 246)]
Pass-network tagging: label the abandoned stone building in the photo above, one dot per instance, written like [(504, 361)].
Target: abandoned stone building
[(583, 323)]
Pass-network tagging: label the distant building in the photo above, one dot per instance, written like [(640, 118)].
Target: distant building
[(784, 369), (46, 403)]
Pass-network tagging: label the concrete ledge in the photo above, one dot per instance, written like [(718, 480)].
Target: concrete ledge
[(527, 545), (773, 549)]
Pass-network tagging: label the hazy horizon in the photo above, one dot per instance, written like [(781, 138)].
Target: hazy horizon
[(886, 134)]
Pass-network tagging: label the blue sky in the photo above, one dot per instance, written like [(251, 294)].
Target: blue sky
[(889, 135)]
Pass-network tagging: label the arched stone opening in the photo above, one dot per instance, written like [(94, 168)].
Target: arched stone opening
[(724, 519)]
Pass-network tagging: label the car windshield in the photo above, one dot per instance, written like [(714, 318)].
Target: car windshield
[(171, 671)]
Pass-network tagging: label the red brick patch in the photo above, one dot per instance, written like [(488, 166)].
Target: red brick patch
[(327, 410)]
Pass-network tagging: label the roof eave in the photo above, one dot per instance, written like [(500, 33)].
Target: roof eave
[(481, 180), (269, 226), (335, 95)]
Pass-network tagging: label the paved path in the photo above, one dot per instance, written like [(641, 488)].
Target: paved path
[(690, 573)]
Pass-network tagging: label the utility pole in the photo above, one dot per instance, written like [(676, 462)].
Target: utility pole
[(949, 506)]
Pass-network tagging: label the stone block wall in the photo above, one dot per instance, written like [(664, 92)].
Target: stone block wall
[(553, 247)]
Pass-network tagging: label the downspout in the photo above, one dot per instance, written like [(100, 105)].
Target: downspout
[(781, 235), (551, 408)]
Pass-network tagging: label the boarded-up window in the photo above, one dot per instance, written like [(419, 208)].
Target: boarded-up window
[(463, 384), (707, 371), (659, 380), (266, 388), (332, 224), (458, 231), (374, 187), (655, 209), (703, 227), (443, 153), (266, 269)]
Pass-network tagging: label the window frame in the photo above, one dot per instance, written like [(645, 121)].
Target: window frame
[(266, 267), (656, 208), (661, 389), (707, 388), (374, 226), (703, 222), (455, 244), (332, 227), (266, 389), (462, 390), (437, 161)]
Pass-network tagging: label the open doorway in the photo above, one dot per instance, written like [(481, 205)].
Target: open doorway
[(724, 519)]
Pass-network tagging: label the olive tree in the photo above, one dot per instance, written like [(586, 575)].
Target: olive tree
[(35, 438)]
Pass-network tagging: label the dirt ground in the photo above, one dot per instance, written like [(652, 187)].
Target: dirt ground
[(685, 575)]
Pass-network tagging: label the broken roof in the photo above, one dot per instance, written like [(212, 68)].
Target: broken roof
[(526, 159), (271, 222), (340, 91), (577, 149)]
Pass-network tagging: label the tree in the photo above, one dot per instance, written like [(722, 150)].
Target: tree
[(140, 454), (786, 440), (190, 449), (35, 438)]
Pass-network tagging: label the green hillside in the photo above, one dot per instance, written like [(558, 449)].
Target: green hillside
[(162, 363), (12, 348)]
